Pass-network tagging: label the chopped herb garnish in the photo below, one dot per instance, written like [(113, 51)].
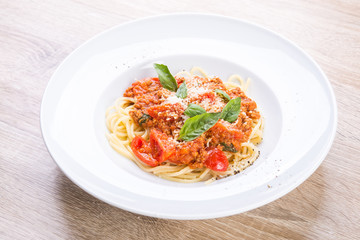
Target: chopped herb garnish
[(228, 148), (223, 94), (166, 79), (143, 118), (231, 111), (193, 110), (182, 91), (195, 126)]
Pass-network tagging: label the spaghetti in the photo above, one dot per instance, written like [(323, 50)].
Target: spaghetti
[(124, 127)]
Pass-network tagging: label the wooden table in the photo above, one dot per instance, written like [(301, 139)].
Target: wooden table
[(38, 202)]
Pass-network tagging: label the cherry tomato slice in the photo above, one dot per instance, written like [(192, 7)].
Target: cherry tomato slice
[(216, 160), (142, 150), (162, 147)]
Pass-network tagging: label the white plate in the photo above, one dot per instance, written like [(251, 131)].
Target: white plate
[(292, 93)]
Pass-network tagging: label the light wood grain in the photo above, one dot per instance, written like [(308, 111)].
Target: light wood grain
[(39, 202)]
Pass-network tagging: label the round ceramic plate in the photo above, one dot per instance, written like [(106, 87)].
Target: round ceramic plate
[(292, 93)]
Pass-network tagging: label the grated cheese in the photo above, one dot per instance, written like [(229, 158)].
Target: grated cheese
[(194, 91), (173, 100)]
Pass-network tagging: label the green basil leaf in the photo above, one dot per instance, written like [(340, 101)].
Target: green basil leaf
[(193, 109), (231, 111), (166, 79), (143, 118), (182, 91), (228, 148), (195, 126), (223, 94)]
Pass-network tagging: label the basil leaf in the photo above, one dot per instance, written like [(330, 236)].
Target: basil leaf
[(228, 148), (193, 109), (231, 111), (195, 126), (143, 119), (166, 79), (182, 91), (223, 94)]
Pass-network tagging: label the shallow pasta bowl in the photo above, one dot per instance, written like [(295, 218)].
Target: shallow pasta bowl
[(285, 81)]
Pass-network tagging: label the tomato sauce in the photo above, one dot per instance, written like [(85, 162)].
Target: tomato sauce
[(160, 111)]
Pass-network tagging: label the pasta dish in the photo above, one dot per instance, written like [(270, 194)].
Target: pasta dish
[(189, 127)]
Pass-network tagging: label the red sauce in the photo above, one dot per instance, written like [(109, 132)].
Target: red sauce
[(164, 118)]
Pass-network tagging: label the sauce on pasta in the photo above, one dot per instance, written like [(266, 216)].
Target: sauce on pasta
[(191, 129)]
